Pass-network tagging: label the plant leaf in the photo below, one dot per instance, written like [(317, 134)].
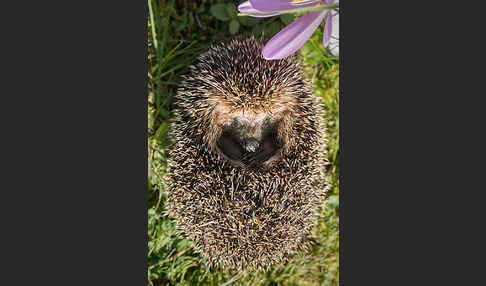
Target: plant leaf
[(234, 26), (182, 24), (231, 10), (273, 28), (248, 21), (287, 18), (220, 12)]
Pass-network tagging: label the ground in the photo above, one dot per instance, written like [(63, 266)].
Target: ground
[(178, 31)]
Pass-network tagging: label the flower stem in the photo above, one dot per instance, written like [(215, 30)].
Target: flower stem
[(296, 10), (152, 24)]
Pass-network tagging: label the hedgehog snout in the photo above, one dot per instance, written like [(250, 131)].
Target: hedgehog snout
[(251, 144), (249, 140)]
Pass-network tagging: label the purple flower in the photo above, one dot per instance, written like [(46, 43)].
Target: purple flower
[(293, 37)]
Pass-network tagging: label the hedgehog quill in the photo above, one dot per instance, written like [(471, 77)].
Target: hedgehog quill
[(246, 168)]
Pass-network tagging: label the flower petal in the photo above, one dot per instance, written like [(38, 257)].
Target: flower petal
[(274, 5), (334, 39), (246, 7), (292, 37), (327, 30), (301, 2)]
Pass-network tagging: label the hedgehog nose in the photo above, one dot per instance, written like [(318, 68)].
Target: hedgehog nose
[(251, 144)]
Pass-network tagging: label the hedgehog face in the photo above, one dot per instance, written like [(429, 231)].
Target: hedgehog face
[(242, 107), (249, 139)]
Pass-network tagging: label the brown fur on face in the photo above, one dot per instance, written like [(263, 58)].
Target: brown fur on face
[(274, 91), (267, 123)]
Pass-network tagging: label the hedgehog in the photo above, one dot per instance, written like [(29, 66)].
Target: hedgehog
[(246, 168)]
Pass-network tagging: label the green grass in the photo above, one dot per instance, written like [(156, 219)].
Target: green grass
[(178, 32)]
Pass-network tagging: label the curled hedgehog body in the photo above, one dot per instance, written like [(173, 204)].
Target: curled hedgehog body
[(246, 170)]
